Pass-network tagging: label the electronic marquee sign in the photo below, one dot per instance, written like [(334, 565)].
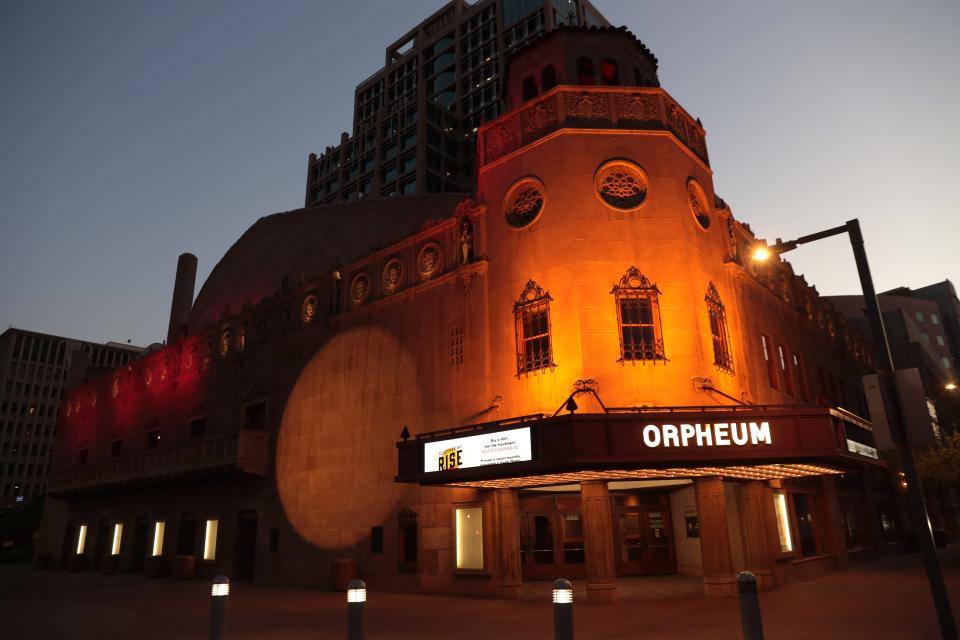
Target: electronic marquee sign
[(501, 447)]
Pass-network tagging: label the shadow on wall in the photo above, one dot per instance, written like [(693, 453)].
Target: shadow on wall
[(336, 455)]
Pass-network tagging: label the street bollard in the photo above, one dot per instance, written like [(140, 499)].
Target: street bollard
[(218, 606), (356, 602), (562, 610), (749, 606)]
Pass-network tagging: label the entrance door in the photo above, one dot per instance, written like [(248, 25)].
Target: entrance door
[(104, 539), (644, 541), (245, 547), (70, 534), (572, 544), (551, 545), (139, 550), (538, 544)]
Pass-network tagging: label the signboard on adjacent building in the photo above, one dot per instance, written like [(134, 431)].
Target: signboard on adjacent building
[(500, 447)]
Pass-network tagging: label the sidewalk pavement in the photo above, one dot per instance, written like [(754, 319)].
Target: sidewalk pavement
[(876, 600)]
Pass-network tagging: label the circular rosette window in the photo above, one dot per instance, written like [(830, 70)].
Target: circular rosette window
[(392, 276), (524, 202), (698, 204), (622, 184)]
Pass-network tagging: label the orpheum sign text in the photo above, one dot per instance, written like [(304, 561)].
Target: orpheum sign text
[(717, 434)]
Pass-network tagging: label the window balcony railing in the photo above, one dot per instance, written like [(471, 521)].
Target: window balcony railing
[(246, 452)]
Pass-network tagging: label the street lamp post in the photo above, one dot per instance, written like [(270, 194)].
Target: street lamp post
[(885, 376)]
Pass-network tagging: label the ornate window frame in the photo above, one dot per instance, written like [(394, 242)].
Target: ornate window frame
[(531, 314), (720, 334), (636, 291)]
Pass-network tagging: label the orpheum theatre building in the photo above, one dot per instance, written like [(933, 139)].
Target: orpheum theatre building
[(573, 372)]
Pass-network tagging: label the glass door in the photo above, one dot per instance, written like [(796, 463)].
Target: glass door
[(573, 556), (631, 540), (644, 541), (539, 546), (658, 551)]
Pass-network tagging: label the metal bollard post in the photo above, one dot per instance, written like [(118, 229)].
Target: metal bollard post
[(749, 606), (356, 603), (562, 610), (218, 606)]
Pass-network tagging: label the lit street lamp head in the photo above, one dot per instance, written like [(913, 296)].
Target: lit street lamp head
[(761, 253)]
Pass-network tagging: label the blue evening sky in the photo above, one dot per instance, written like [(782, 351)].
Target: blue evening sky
[(132, 131)]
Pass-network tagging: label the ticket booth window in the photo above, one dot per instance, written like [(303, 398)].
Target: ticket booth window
[(117, 538), (210, 540), (81, 539), (469, 538), (158, 528), (783, 522)]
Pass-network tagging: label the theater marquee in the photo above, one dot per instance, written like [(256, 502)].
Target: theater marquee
[(743, 442)]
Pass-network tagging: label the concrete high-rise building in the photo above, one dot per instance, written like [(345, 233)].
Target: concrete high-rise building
[(35, 368), (924, 334), (415, 120)]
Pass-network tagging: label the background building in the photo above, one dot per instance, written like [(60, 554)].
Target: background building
[(415, 120), (922, 330), (34, 372)]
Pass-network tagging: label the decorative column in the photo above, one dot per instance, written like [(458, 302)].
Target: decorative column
[(598, 541), (874, 535), (757, 530), (833, 521), (718, 577), (508, 557)]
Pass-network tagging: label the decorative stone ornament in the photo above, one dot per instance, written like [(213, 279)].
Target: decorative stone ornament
[(622, 184), (190, 358), (393, 276), (359, 289), (428, 260), (308, 310), (225, 343), (524, 202), (698, 204), (466, 241)]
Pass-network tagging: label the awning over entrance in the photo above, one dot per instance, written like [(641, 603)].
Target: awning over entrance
[(747, 443)]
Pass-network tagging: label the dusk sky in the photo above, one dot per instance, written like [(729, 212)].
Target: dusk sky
[(133, 131)]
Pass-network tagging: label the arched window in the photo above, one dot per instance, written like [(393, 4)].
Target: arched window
[(638, 314), (609, 75), (548, 78), (529, 88), (585, 71), (722, 357), (532, 314)]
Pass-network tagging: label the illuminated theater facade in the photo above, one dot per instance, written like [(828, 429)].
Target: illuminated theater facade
[(573, 372)]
